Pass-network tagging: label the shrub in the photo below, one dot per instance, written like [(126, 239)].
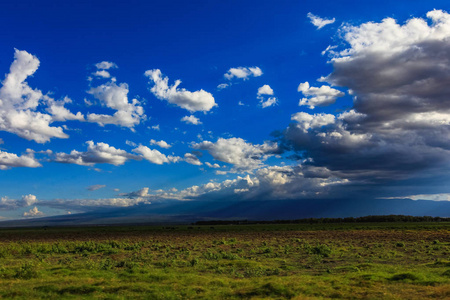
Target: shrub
[(26, 271), (404, 276), (322, 250)]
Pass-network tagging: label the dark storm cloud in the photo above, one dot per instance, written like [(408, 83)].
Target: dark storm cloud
[(400, 123)]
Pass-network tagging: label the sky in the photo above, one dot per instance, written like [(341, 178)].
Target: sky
[(115, 104)]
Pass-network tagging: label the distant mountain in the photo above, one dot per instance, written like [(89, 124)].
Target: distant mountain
[(191, 211)]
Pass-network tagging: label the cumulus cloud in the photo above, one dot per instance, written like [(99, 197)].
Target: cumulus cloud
[(100, 153), (243, 73), (19, 104), (306, 121), (215, 166), (105, 65), (322, 96), (89, 204), (60, 113), (102, 74), (139, 197), (209, 189), (10, 204), (398, 127), (271, 101), (32, 213), (191, 101), (28, 200), (11, 160), (191, 120), (270, 182), (139, 193), (115, 96), (154, 156), (162, 144), (318, 21), (192, 159), (264, 91), (95, 187), (236, 151)]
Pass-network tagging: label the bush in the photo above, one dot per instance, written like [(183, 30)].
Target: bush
[(26, 271), (404, 276), (322, 250)]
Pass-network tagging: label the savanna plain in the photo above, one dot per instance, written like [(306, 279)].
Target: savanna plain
[(265, 261)]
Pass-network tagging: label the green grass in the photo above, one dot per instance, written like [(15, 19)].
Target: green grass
[(303, 261)]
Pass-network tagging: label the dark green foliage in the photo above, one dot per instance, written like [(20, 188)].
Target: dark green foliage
[(26, 271), (404, 276)]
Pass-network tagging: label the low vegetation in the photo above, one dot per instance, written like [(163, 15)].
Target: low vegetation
[(303, 261)]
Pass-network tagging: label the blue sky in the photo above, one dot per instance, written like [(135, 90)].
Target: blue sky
[(277, 100)]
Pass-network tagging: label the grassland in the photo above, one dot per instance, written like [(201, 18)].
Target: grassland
[(302, 261)]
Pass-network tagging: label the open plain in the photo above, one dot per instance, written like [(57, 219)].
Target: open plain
[(291, 261)]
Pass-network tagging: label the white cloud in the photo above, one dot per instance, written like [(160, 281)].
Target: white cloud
[(191, 120), (275, 175), (195, 192), (322, 96), (34, 212), (272, 182), (215, 166), (307, 121), (156, 127), (243, 73), (10, 204), (244, 156), (265, 90), (139, 193), (154, 156), (271, 101), (162, 144), (191, 101), (96, 154), (128, 114), (19, 104), (28, 200), (105, 65), (130, 143), (60, 113), (11, 160), (95, 187), (223, 86), (102, 73), (87, 204), (318, 21), (192, 159), (429, 197)]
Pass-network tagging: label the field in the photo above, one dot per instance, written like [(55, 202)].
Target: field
[(302, 261)]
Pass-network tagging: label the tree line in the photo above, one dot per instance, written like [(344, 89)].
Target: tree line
[(366, 219)]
